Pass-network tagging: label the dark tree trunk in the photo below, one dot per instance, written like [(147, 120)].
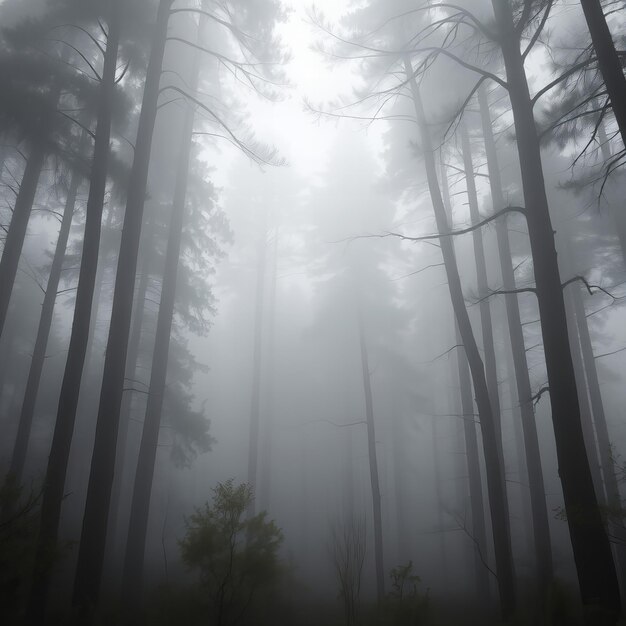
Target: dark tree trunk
[(539, 509), (495, 478), (373, 465), (18, 457), (68, 399), (140, 506), (592, 552), (583, 401), (607, 459), (14, 239), (608, 61), (95, 520), (477, 505)]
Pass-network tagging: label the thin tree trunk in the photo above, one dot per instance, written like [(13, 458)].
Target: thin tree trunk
[(540, 522), (607, 460), (140, 507), (373, 465), (68, 399), (477, 505), (18, 457), (486, 322), (608, 61), (255, 402), (495, 477), (132, 361), (592, 552), (14, 239), (95, 520)]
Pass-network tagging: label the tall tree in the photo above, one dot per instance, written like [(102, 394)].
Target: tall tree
[(592, 552), (140, 506), (539, 509), (95, 520), (68, 399), (495, 476), (43, 332), (608, 60)]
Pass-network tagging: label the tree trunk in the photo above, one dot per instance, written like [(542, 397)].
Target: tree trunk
[(140, 506), (540, 522), (486, 322), (68, 399), (117, 539), (495, 478), (95, 520), (608, 61), (14, 239), (373, 465), (18, 457), (477, 506), (592, 552)]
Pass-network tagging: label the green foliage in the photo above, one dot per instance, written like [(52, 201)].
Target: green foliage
[(235, 556), (405, 606)]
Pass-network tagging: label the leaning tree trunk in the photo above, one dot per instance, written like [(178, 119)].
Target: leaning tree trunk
[(477, 506), (14, 239), (68, 399), (140, 506), (592, 552), (539, 509), (495, 478), (95, 520), (486, 321), (18, 457), (373, 465), (608, 61)]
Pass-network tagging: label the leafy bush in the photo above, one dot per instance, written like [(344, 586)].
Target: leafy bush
[(236, 557)]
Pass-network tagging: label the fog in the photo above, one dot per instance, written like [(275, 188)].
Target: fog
[(312, 313)]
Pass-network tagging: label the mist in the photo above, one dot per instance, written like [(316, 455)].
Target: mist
[(312, 313)]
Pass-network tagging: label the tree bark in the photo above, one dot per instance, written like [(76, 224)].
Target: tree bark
[(140, 506), (608, 61), (539, 509), (14, 239), (373, 465), (68, 399), (592, 552), (95, 520), (18, 457), (495, 478)]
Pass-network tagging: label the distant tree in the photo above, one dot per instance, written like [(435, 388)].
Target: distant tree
[(347, 549), (236, 557)]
